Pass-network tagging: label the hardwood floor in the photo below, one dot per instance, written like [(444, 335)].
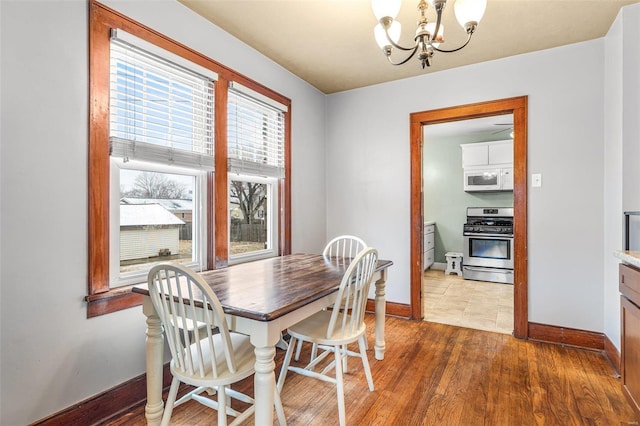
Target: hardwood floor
[(436, 374)]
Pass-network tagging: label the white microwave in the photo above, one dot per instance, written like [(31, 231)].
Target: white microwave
[(488, 179)]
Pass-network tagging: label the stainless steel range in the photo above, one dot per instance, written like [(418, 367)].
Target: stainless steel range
[(488, 244)]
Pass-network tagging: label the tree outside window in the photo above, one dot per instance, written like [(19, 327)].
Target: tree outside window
[(248, 212)]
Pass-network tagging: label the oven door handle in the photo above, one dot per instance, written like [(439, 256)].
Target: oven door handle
[(473, 268), (471, 234)]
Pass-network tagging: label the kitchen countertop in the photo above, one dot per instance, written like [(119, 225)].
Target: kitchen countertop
[(627, 256)]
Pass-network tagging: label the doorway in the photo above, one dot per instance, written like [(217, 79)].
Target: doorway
[(473, 220), (518, 108)]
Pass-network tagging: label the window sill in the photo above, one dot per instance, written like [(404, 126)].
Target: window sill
[(250, 257), (112, 301)]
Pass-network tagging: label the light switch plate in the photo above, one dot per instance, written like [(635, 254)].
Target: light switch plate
[(536, 180)]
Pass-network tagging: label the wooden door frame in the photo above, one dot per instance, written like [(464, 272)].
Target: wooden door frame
[(518, 107)]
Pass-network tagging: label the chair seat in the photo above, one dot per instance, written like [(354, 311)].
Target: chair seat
[(245, 359), (333, 329), (204, 352), (314, 329)]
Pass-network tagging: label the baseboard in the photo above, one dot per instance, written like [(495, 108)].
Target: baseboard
[(439, 266), (566, 336), (106, 405), (399, 310), (612, 354)]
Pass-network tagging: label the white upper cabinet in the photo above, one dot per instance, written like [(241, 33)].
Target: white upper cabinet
[(501, 152), (475, 154), (484, 154)]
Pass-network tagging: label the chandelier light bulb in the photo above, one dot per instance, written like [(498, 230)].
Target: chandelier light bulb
[(469, 11), (381, 37), (384, 8)]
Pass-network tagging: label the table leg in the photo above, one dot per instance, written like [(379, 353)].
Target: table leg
[(264, 385), (154, 349), (380, 314)]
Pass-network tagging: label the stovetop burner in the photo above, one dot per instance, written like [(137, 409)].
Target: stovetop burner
[(489, 220)]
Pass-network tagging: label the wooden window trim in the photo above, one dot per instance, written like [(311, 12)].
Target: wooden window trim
[(100, 298)]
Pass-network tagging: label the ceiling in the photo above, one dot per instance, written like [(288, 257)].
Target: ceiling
[(330, 44), (496, 127)]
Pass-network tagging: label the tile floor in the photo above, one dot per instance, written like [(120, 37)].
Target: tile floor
[(479, 305)]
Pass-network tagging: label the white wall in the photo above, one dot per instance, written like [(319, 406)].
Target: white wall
[(52, 356), (621, 150), (612, 154), (368, 183), (1, 209)]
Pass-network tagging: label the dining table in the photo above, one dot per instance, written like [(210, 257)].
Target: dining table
[(261, 299)]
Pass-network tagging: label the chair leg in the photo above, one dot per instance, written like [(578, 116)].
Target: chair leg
[(282, 344), (298, 350), (362, 344), (285, 363), (340, 386), (314, 351), (171, 398), (344, 359), (282, 420), (222, 405)]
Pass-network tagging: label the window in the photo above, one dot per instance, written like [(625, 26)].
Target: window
[(156, 215), (161, 145), (255, 141), (153, 191), (252, 226)]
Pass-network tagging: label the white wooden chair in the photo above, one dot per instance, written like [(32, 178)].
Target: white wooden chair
[(346, 247), (204, 353), (335, 328)]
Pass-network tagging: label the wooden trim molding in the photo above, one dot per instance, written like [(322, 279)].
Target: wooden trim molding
[(518, 107), (101, 299), (613, 354), (566, 336), (400, 310), (112, 301), (221, 215), (106, 405)]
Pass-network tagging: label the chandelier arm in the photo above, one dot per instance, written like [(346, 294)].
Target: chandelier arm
[(397, 46), (438, 22), (415, 49), (456, 49)]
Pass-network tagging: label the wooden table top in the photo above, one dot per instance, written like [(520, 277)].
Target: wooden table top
[(267, 289)]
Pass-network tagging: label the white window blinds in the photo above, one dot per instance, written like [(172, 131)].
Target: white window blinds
[(160, 111), (255, 132)]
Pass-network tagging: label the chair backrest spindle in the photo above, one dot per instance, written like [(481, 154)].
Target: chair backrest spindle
[(344, 246), (191, 314), (348, 312)]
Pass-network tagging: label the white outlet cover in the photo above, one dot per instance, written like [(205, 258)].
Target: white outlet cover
[(536, 180)]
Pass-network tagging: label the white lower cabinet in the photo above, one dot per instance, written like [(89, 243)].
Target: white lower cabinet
[(429, 247)]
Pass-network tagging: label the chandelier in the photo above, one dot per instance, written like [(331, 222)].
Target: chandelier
[(429, 35)]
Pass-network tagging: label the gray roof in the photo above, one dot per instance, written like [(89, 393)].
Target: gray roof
[(146, 214)]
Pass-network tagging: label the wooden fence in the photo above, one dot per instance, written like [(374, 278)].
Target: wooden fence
[(248, 232)]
